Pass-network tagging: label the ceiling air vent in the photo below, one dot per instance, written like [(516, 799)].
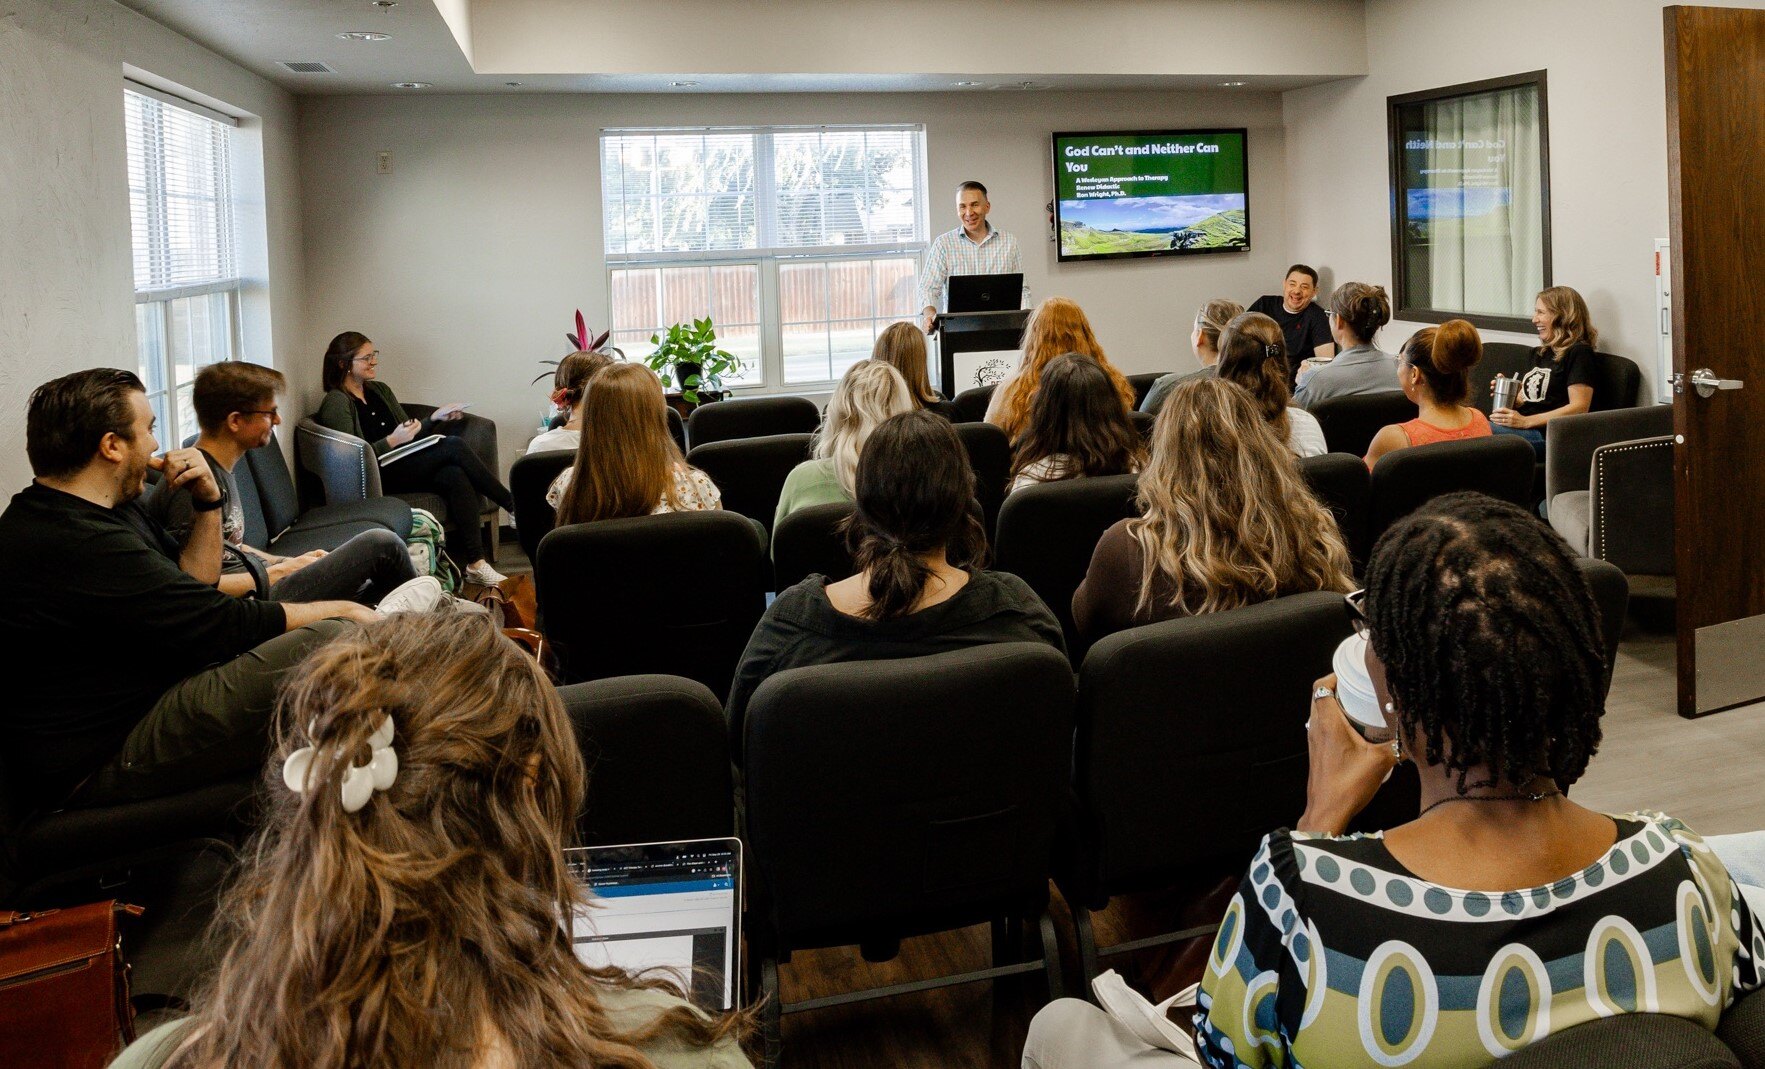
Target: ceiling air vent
[(305, 66)]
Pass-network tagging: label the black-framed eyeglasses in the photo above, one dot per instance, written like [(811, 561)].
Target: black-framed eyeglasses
[(1357, 611), (370, 358)]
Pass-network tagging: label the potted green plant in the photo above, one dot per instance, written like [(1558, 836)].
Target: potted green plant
[(687, 356)]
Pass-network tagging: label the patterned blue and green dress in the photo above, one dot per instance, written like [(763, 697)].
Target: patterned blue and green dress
[(1333, 954)]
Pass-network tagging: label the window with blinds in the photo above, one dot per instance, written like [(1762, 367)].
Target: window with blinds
[(800, 243), (185, 253)]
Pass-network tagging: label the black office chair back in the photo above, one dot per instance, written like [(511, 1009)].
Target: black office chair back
[(1047, 534), (750, 472), (989, 454), (751, 417), (1341, 482), (677, 594), (1617, 382), (657, 755), (809, 542), (972, 404), (1142, 385), (529, 479), (892, 798), (1350, 422), (1191, 740), (1501, 466), (1611, 595), (1143, 423)]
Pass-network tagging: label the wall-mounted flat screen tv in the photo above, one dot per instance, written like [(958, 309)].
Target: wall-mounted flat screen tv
[(1150, 193)]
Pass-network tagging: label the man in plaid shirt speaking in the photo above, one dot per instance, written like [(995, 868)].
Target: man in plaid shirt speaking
[(974, 248)]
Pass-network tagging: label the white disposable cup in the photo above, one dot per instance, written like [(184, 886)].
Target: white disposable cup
[(1354, 688)]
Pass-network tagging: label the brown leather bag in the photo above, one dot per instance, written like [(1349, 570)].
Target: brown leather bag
[(64, 987)]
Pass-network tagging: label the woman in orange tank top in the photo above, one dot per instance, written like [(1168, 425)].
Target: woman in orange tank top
[(1434, 370)]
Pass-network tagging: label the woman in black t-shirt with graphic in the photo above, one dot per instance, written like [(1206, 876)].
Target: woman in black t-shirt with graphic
[(1560, 381)]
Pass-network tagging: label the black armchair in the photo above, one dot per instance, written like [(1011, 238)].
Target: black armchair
[(751, 417), (1351, 422), (1608, 479)]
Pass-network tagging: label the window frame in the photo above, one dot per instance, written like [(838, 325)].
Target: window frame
[(770, 257), (1406, 309)]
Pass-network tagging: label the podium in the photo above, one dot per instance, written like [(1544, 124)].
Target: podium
[(974, 332)]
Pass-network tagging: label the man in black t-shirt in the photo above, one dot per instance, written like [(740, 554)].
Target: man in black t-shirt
[(1303, 324), (132, 679)]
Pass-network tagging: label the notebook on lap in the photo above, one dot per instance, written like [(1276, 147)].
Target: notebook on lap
[(676, 906)]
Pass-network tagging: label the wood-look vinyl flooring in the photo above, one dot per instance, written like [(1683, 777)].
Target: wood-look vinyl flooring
[(1705, 771)]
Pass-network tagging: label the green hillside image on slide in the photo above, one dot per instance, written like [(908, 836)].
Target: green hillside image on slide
[(1222, 230)]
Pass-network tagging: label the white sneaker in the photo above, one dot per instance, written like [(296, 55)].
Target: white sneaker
[(485, 575), (422, 594)]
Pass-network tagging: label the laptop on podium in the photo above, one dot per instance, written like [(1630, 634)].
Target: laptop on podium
[(985, 293)]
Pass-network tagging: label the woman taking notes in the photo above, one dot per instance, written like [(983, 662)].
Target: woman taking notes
[(357, 403)]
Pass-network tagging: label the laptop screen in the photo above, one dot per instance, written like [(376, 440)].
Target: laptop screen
[(676, 906)]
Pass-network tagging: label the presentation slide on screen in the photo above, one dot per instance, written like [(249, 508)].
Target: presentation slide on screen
[(1138, 194), (1461, 180)]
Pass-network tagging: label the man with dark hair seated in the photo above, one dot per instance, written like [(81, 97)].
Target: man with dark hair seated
[(131, 679), (235, 405)]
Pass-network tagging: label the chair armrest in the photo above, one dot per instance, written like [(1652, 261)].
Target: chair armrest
[(1571, 440), (1631, 519), (345, 465)]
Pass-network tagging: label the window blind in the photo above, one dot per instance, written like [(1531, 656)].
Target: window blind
[(180, 196)]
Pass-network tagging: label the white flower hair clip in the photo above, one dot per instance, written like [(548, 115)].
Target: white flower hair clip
[(360, 781)]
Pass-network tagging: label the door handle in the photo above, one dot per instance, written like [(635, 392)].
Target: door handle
[(1704, 381)]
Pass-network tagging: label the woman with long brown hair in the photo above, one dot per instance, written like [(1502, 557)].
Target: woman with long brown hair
[(407, 902), (1077, 427), (1560, 381), (1226, 520), (1058, 326), (902, 347), (921, 587), (1253, 354), (628, 464)]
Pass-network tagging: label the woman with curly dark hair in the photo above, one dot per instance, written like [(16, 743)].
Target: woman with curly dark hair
[(1077, 427)]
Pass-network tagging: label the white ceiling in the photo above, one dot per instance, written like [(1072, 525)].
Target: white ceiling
[(257, 34)]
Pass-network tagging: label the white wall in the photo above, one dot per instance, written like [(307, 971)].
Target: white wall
[(66, 276), (466, 263), (1608, 145)]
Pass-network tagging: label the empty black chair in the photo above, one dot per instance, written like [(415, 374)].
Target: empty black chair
[(1501, 466), (971, 404), (887, 799), (1351, 422), (1341, 482), (1608, 480), (657, 755), (809, 542), (751, 417), (677, 594), (989, 454), (1142, 385), (750, 472), (529, 478), (1190, 747), (1048, 532)]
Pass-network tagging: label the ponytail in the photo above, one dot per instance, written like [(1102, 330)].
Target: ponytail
[(1445, 356), (1363, 307)]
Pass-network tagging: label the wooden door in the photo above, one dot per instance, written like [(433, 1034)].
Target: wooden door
[(1716, 175)]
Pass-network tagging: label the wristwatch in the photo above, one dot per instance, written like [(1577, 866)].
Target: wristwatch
[(208, 506)]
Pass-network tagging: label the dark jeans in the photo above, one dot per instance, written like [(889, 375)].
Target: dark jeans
[(450, 468), (212, 726), (1536, 437), (366, 568)]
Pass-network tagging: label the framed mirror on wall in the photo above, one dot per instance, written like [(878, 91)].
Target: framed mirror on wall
[(1470, 201)]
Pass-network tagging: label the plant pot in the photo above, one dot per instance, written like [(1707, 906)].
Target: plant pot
[(685, 370)]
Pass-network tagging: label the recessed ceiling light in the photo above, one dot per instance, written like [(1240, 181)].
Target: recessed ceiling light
[(513, 85), (365, 35), (683, 85), (412, 85), (1232, 85), (965, 85), (384, 4)]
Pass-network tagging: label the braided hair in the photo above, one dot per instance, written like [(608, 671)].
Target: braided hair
[(1490, 641)]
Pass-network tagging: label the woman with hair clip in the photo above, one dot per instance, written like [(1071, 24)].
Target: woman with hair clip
[(902, 347), (357, 403), (1204, 342), (407, 901), (869, 392), (569, 386), (1434, 371), (1076, 428), (1056, 327), (1253, 354), (1357, 311), (1560, 382), (1226, 520), (920, 588), (628, 464), (1504, 912)]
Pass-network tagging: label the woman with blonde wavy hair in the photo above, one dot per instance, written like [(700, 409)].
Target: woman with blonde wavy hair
[(869, 392), (1226, 520), (627, 463), (407, 902), (1560, 381), (1057, 327)]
